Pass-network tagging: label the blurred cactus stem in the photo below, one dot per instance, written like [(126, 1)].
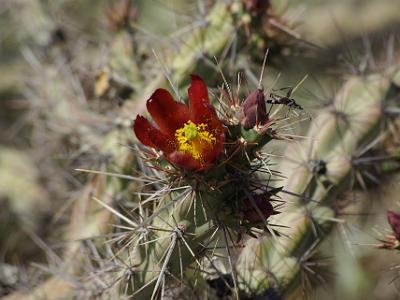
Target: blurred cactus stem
[(336, 134), (211, 38)]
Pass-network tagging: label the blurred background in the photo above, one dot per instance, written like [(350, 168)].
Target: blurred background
[(68, 68)]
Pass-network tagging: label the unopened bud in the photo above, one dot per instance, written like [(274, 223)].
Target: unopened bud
[(254, 109), (256, 6), (258, 209), (394, 221)]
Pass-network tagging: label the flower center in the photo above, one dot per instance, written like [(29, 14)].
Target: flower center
[(194, 139)]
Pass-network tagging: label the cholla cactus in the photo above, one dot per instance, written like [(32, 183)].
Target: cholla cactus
[(240, 195), (199, 206), (213, 187)]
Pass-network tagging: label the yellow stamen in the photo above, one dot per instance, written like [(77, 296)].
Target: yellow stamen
[(194, 139)]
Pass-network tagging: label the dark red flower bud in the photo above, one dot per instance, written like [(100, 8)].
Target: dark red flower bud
[(254, 109), (256, 6), (258, 209), (394, 221)]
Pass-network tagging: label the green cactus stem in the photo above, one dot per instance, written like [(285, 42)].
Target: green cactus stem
[(337, 133)]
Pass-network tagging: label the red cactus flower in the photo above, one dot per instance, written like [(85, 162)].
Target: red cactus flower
[(394, 221), (190, 136)]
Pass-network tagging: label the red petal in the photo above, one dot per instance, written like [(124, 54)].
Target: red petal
[(162, 142), (184, 160), (198, 89), (151, 136), (199, 104), (141, 127), (212, 154), (201, 111), (168, 114)]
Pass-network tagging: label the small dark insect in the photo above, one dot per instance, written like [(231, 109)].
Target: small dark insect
[(285, 100)]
